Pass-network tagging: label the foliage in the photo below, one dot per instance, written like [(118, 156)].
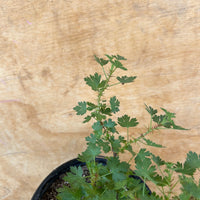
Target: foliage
[(116, 180)]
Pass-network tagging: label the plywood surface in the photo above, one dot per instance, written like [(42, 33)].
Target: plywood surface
[(47, 48)]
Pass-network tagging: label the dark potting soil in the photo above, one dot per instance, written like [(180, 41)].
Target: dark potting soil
[(51, 192)]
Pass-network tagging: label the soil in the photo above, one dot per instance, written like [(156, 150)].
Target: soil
[(51, 193)]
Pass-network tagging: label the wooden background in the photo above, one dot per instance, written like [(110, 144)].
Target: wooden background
[(47, 48)]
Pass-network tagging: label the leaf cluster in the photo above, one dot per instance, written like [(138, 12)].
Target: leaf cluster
[(116, 180)]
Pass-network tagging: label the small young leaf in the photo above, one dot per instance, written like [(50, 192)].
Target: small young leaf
[(158, 160), (118, 57), (97, 126), (90, 153), (150, 110), (87, 119), (125, 79), (114, 104), (81, 108), (91, 106), (101, 61), (151, 143), (109, 123), (118, 64), (125, 121)]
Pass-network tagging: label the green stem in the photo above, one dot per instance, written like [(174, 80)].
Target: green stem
[(127, 134), (114, 84), (131, 158), (144, 134), (104, 72)]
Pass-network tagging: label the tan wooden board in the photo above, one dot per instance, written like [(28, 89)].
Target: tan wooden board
[(47, 48)]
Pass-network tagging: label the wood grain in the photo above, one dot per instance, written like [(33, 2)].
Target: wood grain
[(47, 48)]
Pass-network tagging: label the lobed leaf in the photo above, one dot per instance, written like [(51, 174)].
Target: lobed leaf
[(81, 108), (101, 61), (150, 110), (114, 104), (126, 121), (125, 79), (151, 143), (95, 82)]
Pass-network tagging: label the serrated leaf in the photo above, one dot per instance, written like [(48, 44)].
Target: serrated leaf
[(91, 106), (87, 119), (117, 168), (189, 187), (118, 57), (144, 167), (193, 160), (116, 145), (104, 145), (126, 121), (110, 57), (76, 171), (169, 114), (97, 126), (119, 65), (158, 160), (190, 165), (65, 195), (167, 120), (125, 79), (81, 108), (108, 195), (90, 153), (94, 81), (114, 104), (92, 138), (150, 110), (151, 143), (109, 123), (101, 61)]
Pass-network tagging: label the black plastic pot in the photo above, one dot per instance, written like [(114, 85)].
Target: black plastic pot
[(54, 175)]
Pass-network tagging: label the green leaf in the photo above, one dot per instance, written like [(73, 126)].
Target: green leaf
[(118, 57), (91, 106), (114, 103), (118, 64), (101, 61), (105, 110), (193, 160), (98, 116), (126, 121), (65, 194), (81, 108), (90, 153), (87, 119), (190, 165), (150, 110), (109, 123), (159, 162), (125, 79), (145, 169), (117, 168), (95, 82), (97, 126), (189, 186), (92, 138), (116, 145), (108, 195), (166, 120), (151, 143), (105, 145)]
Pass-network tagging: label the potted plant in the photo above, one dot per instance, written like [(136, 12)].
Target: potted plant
[(95, 178)]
